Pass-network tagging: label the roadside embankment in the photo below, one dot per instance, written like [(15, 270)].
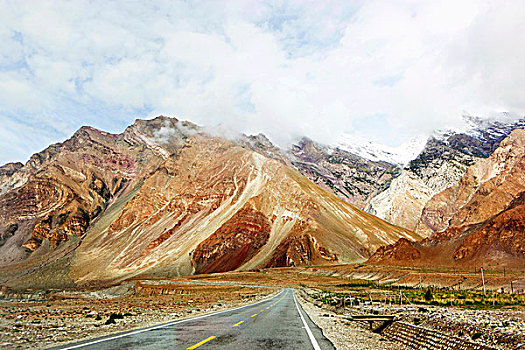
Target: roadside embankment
[(415, 327)]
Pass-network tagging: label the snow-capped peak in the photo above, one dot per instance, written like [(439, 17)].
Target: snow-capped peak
[(481, 128), (400, 155)]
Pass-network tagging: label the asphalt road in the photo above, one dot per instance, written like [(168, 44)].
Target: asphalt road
[(275, 323)]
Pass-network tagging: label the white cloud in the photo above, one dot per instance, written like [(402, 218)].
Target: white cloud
[(285, 68)]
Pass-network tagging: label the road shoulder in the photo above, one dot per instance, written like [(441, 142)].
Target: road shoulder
[(342, 333)]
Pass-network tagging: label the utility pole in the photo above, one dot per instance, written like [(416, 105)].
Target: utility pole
[(483, 280)]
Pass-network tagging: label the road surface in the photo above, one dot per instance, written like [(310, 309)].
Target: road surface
[(275, 323)]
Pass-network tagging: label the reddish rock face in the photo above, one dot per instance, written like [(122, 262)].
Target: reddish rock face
[(60, 191), (504, 233), (56, 211), (498, 242), (402, 250), (234, 243), (300, 249)]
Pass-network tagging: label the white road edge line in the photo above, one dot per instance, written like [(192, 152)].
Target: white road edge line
[(310, 334), (167, 324)]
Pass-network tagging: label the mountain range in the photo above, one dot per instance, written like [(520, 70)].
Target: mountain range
[(168, 197)]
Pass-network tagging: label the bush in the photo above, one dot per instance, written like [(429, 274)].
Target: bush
[(428, 295), (476, 335), (113, 317)]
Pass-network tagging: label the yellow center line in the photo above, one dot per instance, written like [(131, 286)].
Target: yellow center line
[(267, 308), (238, 323), (253, 315), (202, 342)]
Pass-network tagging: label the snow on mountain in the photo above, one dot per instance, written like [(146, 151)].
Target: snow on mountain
[(371, 150), (483, 129), (489, 130)]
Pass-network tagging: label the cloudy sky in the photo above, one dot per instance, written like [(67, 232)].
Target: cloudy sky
[(384, 70)]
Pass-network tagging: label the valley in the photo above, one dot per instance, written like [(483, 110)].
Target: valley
[(167, 227)]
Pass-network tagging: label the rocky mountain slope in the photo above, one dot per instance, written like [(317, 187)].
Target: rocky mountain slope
[(480, 219), (166, 198), (442, 163), (351, 177)]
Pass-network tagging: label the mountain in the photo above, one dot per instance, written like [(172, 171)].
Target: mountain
[(442, 163), (487, 188), (167, 198), (478, 220), (351, 177)]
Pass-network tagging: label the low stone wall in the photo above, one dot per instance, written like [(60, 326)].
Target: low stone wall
[(158, 289), (426, 339), (13, 296)]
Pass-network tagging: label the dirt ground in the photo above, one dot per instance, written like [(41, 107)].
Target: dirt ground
[(72, 316)]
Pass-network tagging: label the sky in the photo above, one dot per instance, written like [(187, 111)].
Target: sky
[(381, 70)]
